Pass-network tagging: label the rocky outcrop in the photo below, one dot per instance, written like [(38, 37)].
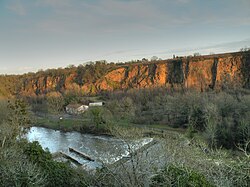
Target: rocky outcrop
[(202, 73)]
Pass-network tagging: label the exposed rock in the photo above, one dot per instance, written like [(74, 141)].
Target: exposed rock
[(161, 74), (201, 73)]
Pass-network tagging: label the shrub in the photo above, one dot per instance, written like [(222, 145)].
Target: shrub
[(55, 102), (58, 173), (180, 177), (17, 170)]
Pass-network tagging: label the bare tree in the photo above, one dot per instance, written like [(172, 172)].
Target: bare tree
[(55, 102)]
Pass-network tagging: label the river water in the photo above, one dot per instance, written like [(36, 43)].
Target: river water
[(103, 149)]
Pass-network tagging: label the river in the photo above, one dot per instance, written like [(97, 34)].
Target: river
[(103, 149)]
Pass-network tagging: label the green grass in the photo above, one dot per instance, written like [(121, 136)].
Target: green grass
[(82, 125), (158, 127), (164, 128), (85, 125), (64, 124)]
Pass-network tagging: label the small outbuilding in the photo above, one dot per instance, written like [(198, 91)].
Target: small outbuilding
[(76, 108), (96, 104)]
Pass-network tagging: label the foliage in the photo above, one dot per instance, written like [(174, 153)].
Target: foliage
[(15, 120), (220, 167), (123, 108), (96, 116), (55, 102), (177, 176), (222, 118), (173, 161), (27, 164), (9, 85), (18, 113), (101, 119), (245, 49), (58, 173), (91, 72), (17, 170), (4, 110), (71, 96), (36, 153)]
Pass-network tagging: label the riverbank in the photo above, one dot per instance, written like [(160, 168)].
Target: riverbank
[(69, 123)]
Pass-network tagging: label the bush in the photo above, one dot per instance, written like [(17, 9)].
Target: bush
[(17, 170), (55, 102), (180, 177), (58, 173), (101, 119), (122, 109)]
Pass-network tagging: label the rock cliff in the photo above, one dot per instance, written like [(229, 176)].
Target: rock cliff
[(201, 72)]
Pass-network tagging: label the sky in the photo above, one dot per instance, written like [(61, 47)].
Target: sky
[(42, 34)]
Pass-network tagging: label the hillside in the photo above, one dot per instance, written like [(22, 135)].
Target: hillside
[(200, 72)]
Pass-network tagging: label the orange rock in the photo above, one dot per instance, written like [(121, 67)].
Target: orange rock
[(160, 75), (202, 73)]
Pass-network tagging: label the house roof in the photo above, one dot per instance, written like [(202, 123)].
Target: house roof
[(74, 106)]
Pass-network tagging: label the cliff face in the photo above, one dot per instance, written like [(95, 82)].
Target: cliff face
[(202, 73)]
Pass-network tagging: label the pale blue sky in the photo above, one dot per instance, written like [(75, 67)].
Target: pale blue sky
[(41, 34)]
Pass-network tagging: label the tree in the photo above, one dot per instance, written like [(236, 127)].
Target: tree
[(245, 49), (55, 102), (122, 108), (71, 66), (14, 123), (197, 54), (96, 116), (100, 117), (154, 58)]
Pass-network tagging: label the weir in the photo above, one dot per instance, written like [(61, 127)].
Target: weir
[(84, 155), (102, 150), (119, 162), (65, 155), (140, 150)]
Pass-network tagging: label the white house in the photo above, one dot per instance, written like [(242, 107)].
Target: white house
[(96, 104), (76, 108)]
